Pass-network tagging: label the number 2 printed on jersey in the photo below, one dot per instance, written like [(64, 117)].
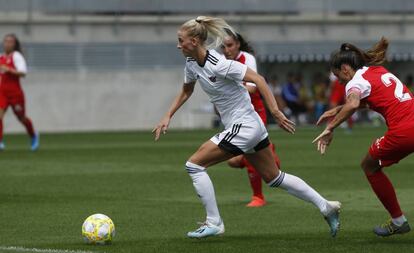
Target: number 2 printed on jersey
[(399, 87)]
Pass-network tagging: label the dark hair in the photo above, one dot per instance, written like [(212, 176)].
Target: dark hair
[(357, 58), (244, 45), (17, 44)]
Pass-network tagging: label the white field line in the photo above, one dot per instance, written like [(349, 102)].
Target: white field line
[(23, 249)]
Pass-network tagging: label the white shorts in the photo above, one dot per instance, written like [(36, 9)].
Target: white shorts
[(243, 138)]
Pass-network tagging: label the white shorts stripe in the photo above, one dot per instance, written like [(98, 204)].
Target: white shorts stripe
[(241, 137)]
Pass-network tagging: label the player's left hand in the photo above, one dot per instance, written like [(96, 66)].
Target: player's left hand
[(284, 123), (323, 140)]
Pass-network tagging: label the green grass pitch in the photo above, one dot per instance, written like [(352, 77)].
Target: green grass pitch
[(143, 187)]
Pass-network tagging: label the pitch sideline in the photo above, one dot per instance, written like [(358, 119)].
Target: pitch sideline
[(36, 250)]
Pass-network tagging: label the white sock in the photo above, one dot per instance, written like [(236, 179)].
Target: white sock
[(300, 189), (205, 190), (399, 220)]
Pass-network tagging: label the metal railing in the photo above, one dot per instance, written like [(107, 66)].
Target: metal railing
[(130, 56)]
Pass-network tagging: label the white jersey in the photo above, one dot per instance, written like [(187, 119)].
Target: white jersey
[(222, 79)]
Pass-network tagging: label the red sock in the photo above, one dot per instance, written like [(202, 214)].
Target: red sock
[(255, 180), (384, 190), (29, 127), (1, 129)]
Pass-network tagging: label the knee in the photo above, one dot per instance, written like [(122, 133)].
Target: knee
[(363, 165), (269, 175), (235, 163), (21, 118), (193, 167), (196, 157), (369, 168), (273, 179), (193, 160)]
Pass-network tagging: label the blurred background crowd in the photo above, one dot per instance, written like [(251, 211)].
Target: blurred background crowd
[(304, 101)]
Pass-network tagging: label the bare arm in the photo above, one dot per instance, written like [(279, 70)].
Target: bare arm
[(260, 82), (334, 111), (179, 100), (351, 105), (329, 114)]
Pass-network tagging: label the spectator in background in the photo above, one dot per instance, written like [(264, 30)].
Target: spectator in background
[(319, 88), (276, 89), (305, 100), (337, 97), (291, 96)]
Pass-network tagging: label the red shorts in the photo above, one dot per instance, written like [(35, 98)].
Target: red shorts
[(13, 98), (393, 146)]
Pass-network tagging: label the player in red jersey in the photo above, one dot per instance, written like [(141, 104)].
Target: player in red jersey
[(12, 68), (369, 84), (236, 48)]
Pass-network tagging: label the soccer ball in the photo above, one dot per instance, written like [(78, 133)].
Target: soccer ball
[(98, 229)]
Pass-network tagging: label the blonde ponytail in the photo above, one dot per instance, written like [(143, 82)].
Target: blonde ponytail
[(210, 30)]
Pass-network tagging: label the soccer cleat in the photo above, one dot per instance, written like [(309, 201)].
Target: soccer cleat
[(34, 142), (332, 216), (2, 146), (256, 202), (389, 228), (207, 229)]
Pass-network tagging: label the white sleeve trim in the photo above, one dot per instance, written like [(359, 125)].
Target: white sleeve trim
[(188, 75), (19, 62), (250, 61), (361, 84)]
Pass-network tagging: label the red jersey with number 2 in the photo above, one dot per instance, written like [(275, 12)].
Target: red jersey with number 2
[(385, 94), (255, 97)]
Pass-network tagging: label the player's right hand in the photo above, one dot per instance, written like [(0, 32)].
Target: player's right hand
[(161, 127)]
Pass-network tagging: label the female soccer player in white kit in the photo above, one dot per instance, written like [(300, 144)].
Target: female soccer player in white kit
[(244, 131)]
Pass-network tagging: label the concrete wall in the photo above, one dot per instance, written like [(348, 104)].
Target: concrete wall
[(76, 101)]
